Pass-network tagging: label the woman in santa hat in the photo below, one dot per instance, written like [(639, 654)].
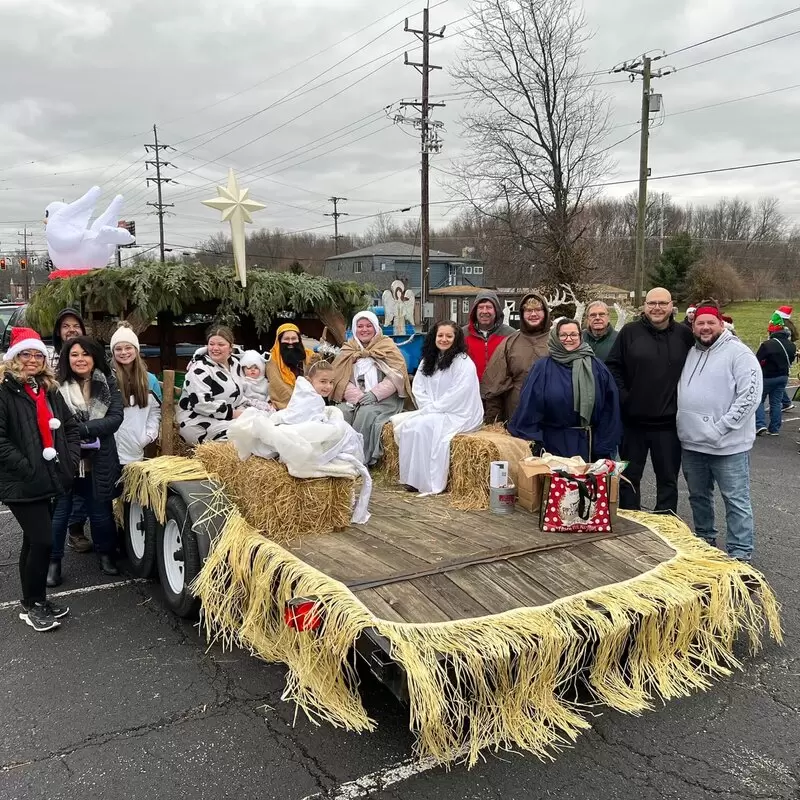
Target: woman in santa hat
[(39, 455), (91, 394)]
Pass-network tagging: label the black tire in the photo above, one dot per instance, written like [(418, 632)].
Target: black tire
[(143, 566), (178, 531)]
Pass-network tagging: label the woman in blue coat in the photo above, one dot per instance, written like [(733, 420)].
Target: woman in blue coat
[(569, 404)]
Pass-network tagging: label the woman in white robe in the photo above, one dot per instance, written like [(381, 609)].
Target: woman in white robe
[(448, 398)]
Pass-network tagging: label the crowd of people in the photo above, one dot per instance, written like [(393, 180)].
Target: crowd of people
[(68, 422), (690, 395)]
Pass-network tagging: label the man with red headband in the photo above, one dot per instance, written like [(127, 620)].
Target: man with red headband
[(718, 393)]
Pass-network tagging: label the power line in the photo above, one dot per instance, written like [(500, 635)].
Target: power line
[(156, 148), (730, 33), (739, 50)]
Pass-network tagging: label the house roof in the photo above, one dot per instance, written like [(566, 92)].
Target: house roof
[(390, 249), (465, 290)]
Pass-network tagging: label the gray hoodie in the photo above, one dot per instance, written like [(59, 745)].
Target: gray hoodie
[(718, 393)]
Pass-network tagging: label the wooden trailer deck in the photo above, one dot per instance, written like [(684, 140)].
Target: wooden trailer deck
[(418, 560)]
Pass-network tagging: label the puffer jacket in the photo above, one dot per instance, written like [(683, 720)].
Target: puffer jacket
[(25, 476), (482, 344), (104, 466), (508, 368)]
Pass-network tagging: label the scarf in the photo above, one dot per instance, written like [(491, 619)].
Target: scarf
[(580, 362), (356, 360), (44, 417), (287, 374), (99, 400)]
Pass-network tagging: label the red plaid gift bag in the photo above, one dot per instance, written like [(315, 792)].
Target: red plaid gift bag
[(576, 504)]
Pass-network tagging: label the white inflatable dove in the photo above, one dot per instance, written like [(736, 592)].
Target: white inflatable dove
[(73, 244)]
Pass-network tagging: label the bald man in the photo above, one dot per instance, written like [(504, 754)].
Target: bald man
[(646, 362)]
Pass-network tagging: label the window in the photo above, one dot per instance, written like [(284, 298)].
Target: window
[(465, 306), (454, 310), (358, 266), (468, 269), (477, 269)]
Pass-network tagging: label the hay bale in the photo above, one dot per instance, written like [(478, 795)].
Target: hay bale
[(470, 457), (272, 501)]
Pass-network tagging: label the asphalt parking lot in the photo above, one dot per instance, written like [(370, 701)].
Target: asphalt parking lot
[(127, 700)]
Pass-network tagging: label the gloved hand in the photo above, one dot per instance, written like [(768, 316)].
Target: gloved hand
[(368, 399), (536, 449)]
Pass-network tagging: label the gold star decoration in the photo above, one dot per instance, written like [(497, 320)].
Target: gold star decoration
[(236, 206)]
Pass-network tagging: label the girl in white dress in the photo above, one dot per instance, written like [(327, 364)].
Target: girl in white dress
[(447, 393)]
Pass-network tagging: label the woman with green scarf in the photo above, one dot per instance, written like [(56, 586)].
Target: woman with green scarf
[(569, 404)]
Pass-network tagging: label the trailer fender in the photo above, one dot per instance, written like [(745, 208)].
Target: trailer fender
[(202, 499)]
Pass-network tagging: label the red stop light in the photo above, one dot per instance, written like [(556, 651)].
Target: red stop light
[(2, 263)]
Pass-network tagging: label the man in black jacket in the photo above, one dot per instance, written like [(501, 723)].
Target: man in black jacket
[(646, 362)]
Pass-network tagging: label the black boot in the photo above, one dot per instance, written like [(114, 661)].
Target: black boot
[(54, 574), (107, 564)]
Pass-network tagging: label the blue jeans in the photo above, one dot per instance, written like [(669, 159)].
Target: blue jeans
[(78, 515), (101, 519), (732, 475), (774, 388)]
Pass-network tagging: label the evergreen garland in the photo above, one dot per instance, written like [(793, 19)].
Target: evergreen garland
[(143, 290)]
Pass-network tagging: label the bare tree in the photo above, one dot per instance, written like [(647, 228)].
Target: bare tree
[(534, 127)]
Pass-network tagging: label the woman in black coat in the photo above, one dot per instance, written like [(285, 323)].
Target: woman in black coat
[(39, 454), (91, 394)]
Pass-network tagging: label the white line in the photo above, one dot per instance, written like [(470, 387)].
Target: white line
[(377, 781), (83, 590)]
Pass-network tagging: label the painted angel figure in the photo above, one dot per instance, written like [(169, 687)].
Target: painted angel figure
[(73, 243), (398, 307)]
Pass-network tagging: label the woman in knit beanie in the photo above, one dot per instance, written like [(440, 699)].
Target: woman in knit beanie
[(39, 454)]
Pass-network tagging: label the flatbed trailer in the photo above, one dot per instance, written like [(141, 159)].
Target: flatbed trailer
[(481, 623)]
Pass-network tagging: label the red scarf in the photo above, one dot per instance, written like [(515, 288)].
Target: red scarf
[(43, 416)]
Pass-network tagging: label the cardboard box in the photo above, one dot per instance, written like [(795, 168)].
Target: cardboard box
[(531, 474)]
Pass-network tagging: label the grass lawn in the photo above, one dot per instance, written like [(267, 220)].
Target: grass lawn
[(752, 317)]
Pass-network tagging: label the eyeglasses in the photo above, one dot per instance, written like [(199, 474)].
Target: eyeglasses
[(565, 336), (658, 303), (31, 355)]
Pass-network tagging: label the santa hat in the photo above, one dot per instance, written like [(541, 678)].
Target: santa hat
[(252, 358), (785, 312), (24, 339), (691, 310), (124, 335), (775, 323)]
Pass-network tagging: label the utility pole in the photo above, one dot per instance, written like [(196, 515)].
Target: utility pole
[(661, 228), (643, 66), (26, 286), (336, 214), (430, 143), (156, 162)]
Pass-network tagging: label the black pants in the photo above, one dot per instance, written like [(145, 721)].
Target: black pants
[(34, 556), (665, 454)]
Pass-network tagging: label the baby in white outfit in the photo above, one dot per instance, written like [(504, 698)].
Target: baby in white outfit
[(255, 386)]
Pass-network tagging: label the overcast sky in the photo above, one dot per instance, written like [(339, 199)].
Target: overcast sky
[(83, 81)]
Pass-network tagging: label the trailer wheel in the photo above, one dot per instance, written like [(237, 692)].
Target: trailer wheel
[(141, 534), (178, 559)]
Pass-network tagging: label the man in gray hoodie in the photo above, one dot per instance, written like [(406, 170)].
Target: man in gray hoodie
[(718, 393)]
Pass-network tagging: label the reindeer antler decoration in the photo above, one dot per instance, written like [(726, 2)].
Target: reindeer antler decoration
[(565, 294)]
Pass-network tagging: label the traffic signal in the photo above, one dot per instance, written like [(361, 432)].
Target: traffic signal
[(2, 263), (23, 264), (129, 226), (49, 265)]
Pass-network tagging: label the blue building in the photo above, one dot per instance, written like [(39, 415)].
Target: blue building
[(381, 264)]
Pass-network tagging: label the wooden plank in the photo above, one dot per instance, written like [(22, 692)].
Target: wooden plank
[(547, 570), (411, 604), (340, 561), (648, 543), (623, 551), (479, 583), (449, 598), (359, 540), (527, 588), (612, 565), (378, 606), (168, 413)]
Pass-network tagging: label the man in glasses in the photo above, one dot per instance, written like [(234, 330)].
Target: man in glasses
[(599, 334), (646, 362)]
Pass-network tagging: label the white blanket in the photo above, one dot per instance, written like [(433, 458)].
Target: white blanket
[(312, 440), (448, 403)]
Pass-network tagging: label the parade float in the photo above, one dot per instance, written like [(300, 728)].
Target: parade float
[(496, 634)]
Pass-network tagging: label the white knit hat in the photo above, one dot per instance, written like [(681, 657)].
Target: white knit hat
[(24, 339), (252, 358), (124, 335)]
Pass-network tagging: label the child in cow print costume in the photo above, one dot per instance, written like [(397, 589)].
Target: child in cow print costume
[(212, 391)]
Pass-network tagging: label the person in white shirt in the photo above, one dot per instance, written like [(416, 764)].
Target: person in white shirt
[(141, 394)]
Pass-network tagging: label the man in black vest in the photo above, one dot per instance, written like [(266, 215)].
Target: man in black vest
[(646, 362)]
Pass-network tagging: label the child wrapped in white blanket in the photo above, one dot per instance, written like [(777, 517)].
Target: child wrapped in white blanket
[(312, 440)]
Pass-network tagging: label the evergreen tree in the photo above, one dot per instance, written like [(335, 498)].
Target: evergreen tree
[(680, 253)]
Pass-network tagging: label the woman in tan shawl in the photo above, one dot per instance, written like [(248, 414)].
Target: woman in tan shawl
[(370, 382)]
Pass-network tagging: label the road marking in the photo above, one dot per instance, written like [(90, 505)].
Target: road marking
[(377, 781), (83, 590)]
